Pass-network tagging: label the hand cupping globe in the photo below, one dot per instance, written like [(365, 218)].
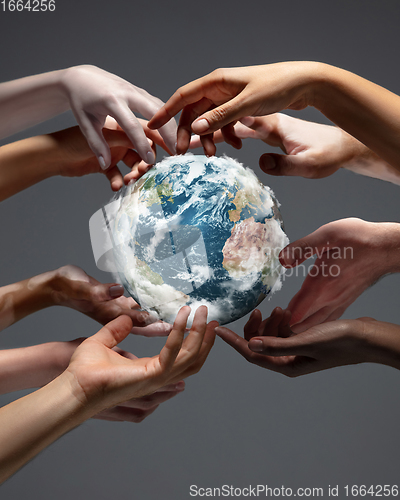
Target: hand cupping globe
[(196, 230)]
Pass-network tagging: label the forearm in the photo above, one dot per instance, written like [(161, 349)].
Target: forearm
[(34, 366), (360, 159), (27, 162), (381, 341), (26, 297), (365, 110), (31, 100), (32, 423), (386, 244)]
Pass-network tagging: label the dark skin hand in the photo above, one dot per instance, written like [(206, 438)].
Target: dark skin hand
[(272, 344)]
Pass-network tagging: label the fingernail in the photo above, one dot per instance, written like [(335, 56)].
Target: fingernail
[(268, 162), (200, 126), (150, 158), (180, 386), (116, 291), (102, 162), (175, 146), (256, 345)]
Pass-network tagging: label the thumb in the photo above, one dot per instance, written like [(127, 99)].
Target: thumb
[(114, 332), (293, 165), (300, 250), (220, 116)]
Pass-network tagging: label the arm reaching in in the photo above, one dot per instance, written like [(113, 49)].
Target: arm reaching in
[(92, 94), (67, 153), (35, 366), (98, 378), (271, 343), (352, 255), (216, 101), (71, 287), (312, 150)]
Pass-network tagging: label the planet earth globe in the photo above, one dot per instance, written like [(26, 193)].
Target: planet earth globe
[(198, 231)]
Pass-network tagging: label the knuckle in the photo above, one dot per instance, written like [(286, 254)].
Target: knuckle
[(219, 114), (111, 99), (219, 74)]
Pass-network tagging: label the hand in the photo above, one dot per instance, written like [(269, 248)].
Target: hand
[(352, 255), (271, 344), (219, 99), (312, 150), (133, 410), (94, 94), (101, 378), (136, 410), (96, 379), (72, 287), (36, 366), (74, 158)]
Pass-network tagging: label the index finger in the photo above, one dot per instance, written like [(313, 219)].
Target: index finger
[(188, 94), (242, 347)]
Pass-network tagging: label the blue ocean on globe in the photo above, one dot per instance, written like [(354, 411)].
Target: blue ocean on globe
[(196, 230)]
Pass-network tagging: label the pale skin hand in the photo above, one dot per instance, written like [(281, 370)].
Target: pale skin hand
[(71, 287), (312, 150), (36, 366), (363, 109), (67, 153), (271, 344), (352, 255), (92, 94), (99, 378)]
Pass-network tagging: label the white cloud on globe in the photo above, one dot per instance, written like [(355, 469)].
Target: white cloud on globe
[(196, 231)]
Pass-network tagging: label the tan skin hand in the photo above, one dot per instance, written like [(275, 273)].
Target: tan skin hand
[(312, 150), (219, 99), (352, 255), (76, 159), (102, 378), (97, 379), (366, 111), (36, 366)]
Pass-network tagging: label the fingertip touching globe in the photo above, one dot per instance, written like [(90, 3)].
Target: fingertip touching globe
[(198, 231)]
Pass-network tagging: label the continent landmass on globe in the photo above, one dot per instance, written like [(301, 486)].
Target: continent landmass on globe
[(196, 230)]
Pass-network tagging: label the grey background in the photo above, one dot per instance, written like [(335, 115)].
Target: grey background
[(235, 423)]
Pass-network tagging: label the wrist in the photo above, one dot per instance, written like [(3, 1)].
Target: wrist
[(329, 86), (59, 355), (317, 80), (381, 341), (389, 236), (42, 289), (59, 285), (45, 156), (84, 405), (69, 77)]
